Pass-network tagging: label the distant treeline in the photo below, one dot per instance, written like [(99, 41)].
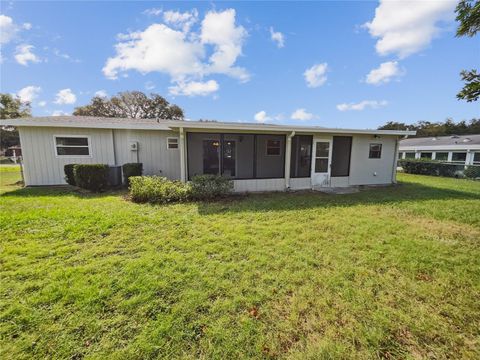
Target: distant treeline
[(445, 128)]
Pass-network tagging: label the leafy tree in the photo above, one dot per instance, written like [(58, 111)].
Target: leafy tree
[(131, 104), (468, 15), (11, 108), (427, 128), (393, 125)]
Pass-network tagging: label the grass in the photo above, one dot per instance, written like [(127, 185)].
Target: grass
[(386, 273)]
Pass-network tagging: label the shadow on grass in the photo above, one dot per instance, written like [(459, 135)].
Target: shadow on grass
[(278, 201)]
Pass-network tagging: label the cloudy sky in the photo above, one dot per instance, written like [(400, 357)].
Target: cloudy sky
[(337, 64)]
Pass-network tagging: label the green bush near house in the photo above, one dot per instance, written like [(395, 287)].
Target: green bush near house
[(93, 177), (429, 167), (208, 187), (131, 169), (157, 190), (69, 175)]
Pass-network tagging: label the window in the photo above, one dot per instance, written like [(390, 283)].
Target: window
[(172, 143), (400, 155), (441, 156), (476, 158), (426, 155), (409, 155), (72, 146), (273, 147), (375, 151), (459, 157), (321, 156), (301, 158)]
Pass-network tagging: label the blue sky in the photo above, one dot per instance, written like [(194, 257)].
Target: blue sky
[(336, 64)]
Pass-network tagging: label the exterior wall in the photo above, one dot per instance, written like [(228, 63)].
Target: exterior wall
[(152, 151), (365, 171), (258, 185), (43, 167), (300, 183), (470, 150)]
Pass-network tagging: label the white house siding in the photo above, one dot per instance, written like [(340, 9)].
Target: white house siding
[(42, 167), (257, 185), (300, 183), (152, 151), (365, 171)]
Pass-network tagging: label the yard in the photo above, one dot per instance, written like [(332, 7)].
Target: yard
[(387, 273)]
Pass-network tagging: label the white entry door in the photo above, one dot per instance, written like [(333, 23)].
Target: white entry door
[(322, 150)]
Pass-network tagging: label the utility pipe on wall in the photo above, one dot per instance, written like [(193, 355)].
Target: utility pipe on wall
[(182, 156)]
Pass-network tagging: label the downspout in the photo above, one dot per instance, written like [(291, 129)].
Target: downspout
[(113, 148), (182, 156), (395, 159), (288, 155)]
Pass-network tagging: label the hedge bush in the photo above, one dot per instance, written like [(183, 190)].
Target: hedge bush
[(69, 176), (207, 187), (429, 167), (93, 177), (131, 169), (157, 190)]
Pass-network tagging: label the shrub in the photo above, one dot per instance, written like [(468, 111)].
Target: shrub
[(472, 172), (69, 176), (429, 167), (157, 190), (93, 177), (207, 187), (131, 169)]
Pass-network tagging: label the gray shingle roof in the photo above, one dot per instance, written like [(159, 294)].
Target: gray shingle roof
[(473, 139)]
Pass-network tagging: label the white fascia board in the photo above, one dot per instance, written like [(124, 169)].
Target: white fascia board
[(444, 148), (128, 126)]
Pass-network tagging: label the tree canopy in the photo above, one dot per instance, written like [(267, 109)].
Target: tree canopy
[(468, 16), (11, 108), (131, 104), (427, 128)]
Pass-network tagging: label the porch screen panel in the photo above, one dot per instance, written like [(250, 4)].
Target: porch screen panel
[(270, 156), (301, 156), (203, 154), (238, 151), (341, 151)]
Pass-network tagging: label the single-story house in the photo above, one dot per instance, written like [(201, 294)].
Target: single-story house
[(258, 157), (458, 149)]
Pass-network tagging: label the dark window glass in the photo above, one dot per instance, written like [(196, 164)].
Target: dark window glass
[(229, 159), (321, 165), (301, 163), (211, 161), (72, 141), (375, 151), (476, 157), (409, 155), (441, 156), (460, 157), (71, 151), (400, 155), (172, 143), (322, 149), (426, 155), (273, 147)]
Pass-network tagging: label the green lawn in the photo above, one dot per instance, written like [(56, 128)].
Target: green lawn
[(384, 273)]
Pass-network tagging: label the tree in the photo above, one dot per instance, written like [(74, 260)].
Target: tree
[(468, 15), (131, 104), (11, 108), (393, 125), (427, 128)]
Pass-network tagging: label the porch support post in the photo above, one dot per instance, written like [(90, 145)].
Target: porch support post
[(288, 155), (183, 178), (395, 161)]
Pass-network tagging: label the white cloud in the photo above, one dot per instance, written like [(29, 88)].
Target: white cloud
[(194, 88), (8, 29), (42, 103), (406, 27), (153, 12), (302, 115), (316, 75), (101, 93), (29, 93), (178, 20), (277, 37), (181, 53), (24, 54), (373, 104), (59, 113), (385, 73), (262, 117), (65, 96), (65, 56), (27, 26)]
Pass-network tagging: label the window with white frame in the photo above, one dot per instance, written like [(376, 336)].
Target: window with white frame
[(273, 147), (459, 157), (441, 156), (66, 145), (476, 158), (375, 151), (172, 143)]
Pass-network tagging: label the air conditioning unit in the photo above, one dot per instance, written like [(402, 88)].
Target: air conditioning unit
[(133, 146)]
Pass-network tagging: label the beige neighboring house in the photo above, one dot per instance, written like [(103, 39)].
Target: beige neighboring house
[(257, 157), (458, 149)]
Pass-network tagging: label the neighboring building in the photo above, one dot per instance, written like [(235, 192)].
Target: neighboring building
[(258, 157), (13, 151), (459, 149)]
